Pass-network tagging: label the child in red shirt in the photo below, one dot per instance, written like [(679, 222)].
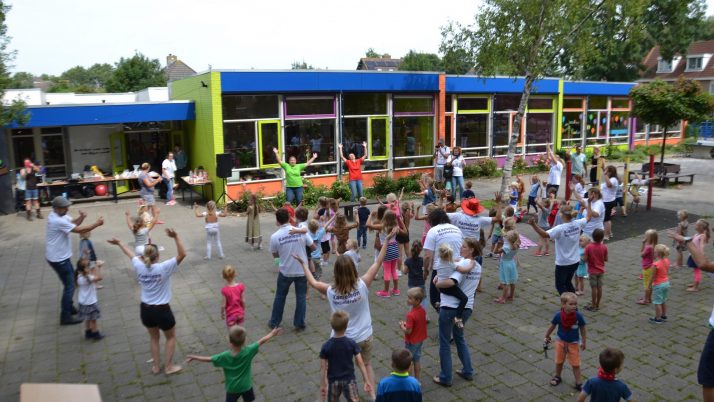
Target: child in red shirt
[(596, 256), (233, 310), (659, 283), (415, 327)]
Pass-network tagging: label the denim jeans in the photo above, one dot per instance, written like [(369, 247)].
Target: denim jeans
[(362, 235), (65, 271), (281, 294), (564, 278), (457, 181), (355, 189), (169, 188), (293, 195), (446, 330)]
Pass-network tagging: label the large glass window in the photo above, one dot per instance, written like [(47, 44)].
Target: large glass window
[(239, 139), (413, 138), (506, 102), (473, 104), (572, 127), (413, 105), (573, 103), (362, 104), (23, 146), (366, 120), (540, 104), (619, 122), (640, 129), (310, 106), (237, 107), (472, 130), (539, 131), (502, 127), (314, 136), (596, 127)]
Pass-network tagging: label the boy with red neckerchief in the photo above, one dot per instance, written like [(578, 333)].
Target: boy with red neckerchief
[(605, 387), (571, 327)]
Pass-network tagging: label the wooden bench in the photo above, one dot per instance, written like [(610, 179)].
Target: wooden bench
[(664, 179), (349, 208)]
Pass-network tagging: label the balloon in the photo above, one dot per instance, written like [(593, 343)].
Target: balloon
[(100, 190)]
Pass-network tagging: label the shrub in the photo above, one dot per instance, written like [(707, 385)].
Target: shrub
[(520, 164), (542, 164), (382, 185), (473, 170), (312, 193), (410, 184), (340, 189), (489, 167)]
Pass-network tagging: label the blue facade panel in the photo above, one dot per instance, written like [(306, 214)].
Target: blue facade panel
[(597, 88), (501, 85), (78, 115), (305, 82)]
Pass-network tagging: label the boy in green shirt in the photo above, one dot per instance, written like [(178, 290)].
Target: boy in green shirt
[(236, 363)]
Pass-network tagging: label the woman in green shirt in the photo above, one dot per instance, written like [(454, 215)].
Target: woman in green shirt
[(293, 180)]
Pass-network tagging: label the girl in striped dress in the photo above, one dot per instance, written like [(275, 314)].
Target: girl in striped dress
[(391, 259)]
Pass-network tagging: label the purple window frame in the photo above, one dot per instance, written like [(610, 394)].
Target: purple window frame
[(309, 116)]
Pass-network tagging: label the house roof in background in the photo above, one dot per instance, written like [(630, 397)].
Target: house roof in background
[(701, 47), (384, 64), (178, 70)]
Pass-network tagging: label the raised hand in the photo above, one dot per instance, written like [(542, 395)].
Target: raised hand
[(100, 221), (171, 233), (299, 259), (114, 241)]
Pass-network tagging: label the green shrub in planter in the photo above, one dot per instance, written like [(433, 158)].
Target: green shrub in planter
[(473, 170), (340, 189), (489, 167), (520, 164), (381, 186), (410, 184)]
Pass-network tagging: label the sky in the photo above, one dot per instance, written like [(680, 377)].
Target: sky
[(52, 36)]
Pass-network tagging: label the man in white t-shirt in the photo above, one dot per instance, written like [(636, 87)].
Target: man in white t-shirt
[(168, 168), (468, 220), (556, 170), (441, 232), (567, 253), (284, 245), (58, 251), (441, 155)]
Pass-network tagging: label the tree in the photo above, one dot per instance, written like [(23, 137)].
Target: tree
[(301, 66), (666, 104), (372, 54), (15, 111), (21, 80), (415, 61), (707, 30), (673, 24), (136, 73)]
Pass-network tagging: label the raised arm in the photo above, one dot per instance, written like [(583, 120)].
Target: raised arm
[(79, 219), (542, 233), (129, 223), (126, 250), (196, 211), (309, 162), (275, 332), (368, 277), (180, 250), (317, 285), (277, 156), (89, 228), (364, 153), (342, 154)]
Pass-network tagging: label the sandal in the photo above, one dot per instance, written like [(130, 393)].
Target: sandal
[(578, 387), (590, 308), (500, 300), (555, 381), (642, 302)]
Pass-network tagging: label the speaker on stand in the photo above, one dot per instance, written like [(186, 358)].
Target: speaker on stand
[(224, 170)]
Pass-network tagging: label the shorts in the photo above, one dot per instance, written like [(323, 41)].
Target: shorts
[(390, 270), (248, 396), (366, 350), (325, 246), (148, 199), (89, 312), (571, 349), (402, 239), (415, 349), (495, 238), (234, 319), (691, 263), (647, 277), (608, 210), (595, 280), (161, 316), (660, 293), (32, 194), (337, 388), (705, 372), (619, 202)]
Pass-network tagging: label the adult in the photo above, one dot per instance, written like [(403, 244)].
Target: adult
[(578, 162), (181, 161), (30, 173), (441, 155), (567, 255), (58, 251), (350, 293), (609, 194), (597, 210), (154, 279), (468, 220), (284, 244), (441, 232), (556, 170), (594, 164), (354, 168), (705, 371), (457, 162), (147, 184), (293, 180), (448, 330), (168, 170)]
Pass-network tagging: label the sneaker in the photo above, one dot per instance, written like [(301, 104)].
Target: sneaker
[(399, 273), (655, 320), (396, 292), (382, 293), (663, 318)]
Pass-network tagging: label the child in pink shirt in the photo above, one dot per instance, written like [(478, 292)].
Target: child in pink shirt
[(659, 284), (596, 256), (233, 310)]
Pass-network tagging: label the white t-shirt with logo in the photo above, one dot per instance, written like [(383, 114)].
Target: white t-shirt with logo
[(467, 283), (440, 152), (440, 234), (169, 167), (458, 164), (567, 237), (59, 244), (286, 244), (609, 193), (87, 294), (556, 169), (596, 222), (356, 304), (470, 225), (155, 281)]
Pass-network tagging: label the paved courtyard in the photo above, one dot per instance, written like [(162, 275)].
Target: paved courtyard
[(505, 340)]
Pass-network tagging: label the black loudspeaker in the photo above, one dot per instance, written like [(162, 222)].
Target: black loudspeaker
[(224, 165)]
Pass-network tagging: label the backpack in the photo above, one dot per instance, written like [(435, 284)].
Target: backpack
[(448, 171)]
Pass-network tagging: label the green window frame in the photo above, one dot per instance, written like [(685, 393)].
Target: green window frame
[(370, 140), (262, 161), (463, 111)]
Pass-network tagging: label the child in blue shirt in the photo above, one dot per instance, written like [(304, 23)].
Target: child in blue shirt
[(362, 215), (571, 326), (399, 386), (605, 387), (316, 232), (533, 194)]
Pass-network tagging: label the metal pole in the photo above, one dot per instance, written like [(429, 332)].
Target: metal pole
[(650, 182), (626, 182), (568, 172)]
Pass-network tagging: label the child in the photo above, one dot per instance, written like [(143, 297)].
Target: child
[(236, 362), (376, 216), (596, 256), (341, 231), (415, 327), (337, 370), (446, 255), (291, 212), (507, 266), (252, 227), (659, 283), (140, 228), (606, 387), (647, 254), (391, 259), (86, 279), (233, 310), (468, 193), (426, 184), (533, 194), (521, 187), (495, 233), (316, 234), (363, 215), (682, 225), (543, 214), (582, 272), (571, 327), (301, 215), (699, 240), (450, 206), (414, 268), (334, 205), (353, 252), (399, 386), (420, 217), (513, 195), (407, 213), (213, 232), (86, 250)]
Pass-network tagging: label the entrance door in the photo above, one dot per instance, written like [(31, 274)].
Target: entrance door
[(119, 159), (269, 138)]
